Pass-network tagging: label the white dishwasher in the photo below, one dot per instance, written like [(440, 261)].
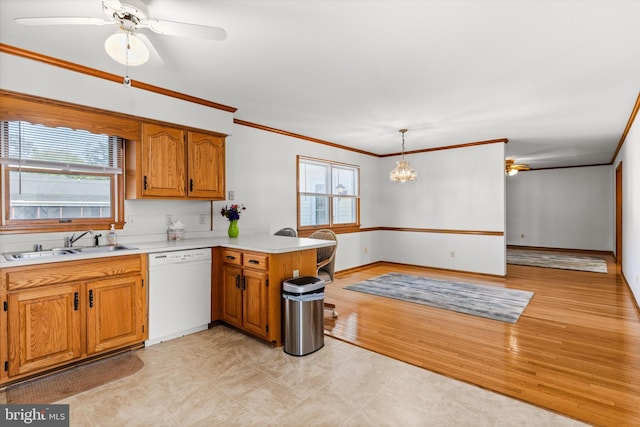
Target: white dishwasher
[(179, 293)]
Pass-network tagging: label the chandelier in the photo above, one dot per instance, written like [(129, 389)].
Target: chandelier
[(402, 171)]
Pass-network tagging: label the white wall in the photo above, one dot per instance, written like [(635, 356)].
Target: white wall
[(561, 208), (35, 78), (460, 189), (630, 157)]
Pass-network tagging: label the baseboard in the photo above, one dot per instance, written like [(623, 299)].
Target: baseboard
[(356, 269), (448, 270), (633, 296), (546, 248)]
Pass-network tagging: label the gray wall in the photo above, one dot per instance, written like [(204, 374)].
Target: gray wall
[(568, 208)]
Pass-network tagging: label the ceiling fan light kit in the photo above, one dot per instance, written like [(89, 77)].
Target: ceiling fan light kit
[(126, 49), (403, 172)]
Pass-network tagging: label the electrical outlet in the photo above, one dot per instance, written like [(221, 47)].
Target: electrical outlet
[(366, 250), (131, 220), (453, 254), (296, 273), (203, 218), (232, 195), (169, 219)]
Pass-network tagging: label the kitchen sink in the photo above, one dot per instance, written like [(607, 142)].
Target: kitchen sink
[(56, 252), (40, 254), (101, 249)]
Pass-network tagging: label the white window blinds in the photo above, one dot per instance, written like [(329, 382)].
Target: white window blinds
[(26, 145)]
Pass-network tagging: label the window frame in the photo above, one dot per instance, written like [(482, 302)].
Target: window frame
[(306, 230), (56, 224), (36, 110)]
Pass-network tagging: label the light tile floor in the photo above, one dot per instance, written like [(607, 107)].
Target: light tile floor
[(222, 377)]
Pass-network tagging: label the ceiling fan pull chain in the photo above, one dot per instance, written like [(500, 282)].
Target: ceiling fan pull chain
[(127, 80)]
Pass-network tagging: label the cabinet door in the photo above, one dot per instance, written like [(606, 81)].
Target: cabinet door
[(232, 295), (44, 328), (114, 313), (163, 161), (205, 154), (255, 304)]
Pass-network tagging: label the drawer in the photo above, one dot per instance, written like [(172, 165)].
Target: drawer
[(70, 271), (232, 257), (257, 261)]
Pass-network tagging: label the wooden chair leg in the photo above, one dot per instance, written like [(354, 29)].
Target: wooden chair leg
[(332, 307)]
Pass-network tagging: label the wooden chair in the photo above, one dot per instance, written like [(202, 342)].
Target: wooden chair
[(326, 262), (326, 256)]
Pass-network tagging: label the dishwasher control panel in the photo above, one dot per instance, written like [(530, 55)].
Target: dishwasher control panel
[(174, 257)]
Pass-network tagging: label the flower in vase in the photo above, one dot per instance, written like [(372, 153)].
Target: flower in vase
[(232, 213)]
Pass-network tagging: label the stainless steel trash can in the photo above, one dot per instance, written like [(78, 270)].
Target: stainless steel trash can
[(303, 299)]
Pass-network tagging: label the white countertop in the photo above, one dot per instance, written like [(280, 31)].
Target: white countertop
[(258, 243)]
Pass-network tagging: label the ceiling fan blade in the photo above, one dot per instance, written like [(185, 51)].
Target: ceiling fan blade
[(183, 29), (62, 20), (154, 54)]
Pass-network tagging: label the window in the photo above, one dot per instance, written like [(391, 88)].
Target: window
[(328, 194), (55, 178)]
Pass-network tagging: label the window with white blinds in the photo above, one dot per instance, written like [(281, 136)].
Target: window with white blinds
[(28, 145), (58, 176)]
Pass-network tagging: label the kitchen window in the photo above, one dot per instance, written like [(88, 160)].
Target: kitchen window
[(57, 178), (328, 195)]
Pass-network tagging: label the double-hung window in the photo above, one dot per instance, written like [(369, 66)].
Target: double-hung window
[(328, 194), (59, 178)]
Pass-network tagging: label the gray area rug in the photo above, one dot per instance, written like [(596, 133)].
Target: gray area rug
[(565, 262), (485, 301)]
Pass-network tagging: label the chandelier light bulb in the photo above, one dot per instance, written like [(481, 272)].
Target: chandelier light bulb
[(403, 172)]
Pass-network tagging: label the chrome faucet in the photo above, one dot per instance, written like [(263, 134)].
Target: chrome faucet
[(70, 240)]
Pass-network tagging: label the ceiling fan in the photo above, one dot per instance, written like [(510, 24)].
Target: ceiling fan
[(125, 46), (511, 168)]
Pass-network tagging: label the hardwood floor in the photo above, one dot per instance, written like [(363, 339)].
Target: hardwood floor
[(575, 349)]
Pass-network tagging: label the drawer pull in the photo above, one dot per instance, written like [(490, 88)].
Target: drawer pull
[(254, 261), (230, 257)]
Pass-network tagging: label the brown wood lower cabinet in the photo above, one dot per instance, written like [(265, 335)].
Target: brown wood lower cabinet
[(67, 311), (44, 328), (247, 288), (245, 294)]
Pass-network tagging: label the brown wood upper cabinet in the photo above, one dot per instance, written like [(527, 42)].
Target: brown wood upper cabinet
[(173, 163)]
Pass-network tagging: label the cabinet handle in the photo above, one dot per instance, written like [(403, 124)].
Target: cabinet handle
[(91, 298), (75, 301), (253, 261), (238, 281), (230, 257), (244, 283), (191, 185), (145, 182)]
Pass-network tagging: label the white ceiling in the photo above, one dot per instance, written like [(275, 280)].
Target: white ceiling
[(559, 79)]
